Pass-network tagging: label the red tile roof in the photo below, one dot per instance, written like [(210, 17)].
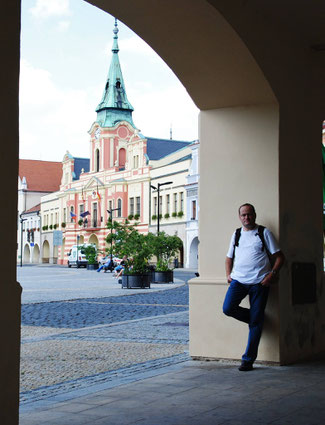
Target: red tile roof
[(41, 176), (33, 209)]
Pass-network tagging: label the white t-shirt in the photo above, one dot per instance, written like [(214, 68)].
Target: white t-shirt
[(251, 264)]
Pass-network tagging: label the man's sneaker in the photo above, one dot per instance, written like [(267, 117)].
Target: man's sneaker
[(245, 366)]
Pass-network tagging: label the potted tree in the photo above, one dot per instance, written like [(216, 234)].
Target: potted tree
[(90, 252), (137, 248), (165, 248)]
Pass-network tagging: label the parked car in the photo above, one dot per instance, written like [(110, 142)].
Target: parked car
[(77, 257)]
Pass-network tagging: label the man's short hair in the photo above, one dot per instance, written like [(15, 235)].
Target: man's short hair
[(247, 205)]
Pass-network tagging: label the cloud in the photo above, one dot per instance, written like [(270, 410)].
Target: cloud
[(48, 8), (63, 26), (52, 120)]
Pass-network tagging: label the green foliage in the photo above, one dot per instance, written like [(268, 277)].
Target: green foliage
[(167, 215), (131, 216), (136, 216), (90, 252), (63, 224), (154, 217), (174, 214), (137, 247), (165, 247), (51, 227), (81, 222), (55, 226), (45, 227), (180, 214)]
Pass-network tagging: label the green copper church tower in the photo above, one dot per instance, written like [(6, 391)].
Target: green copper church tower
[(114, 106)]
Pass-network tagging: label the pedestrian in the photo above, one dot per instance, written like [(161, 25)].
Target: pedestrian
[(108, 265), (253, 262)]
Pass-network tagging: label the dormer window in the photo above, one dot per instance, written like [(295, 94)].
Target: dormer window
[(118, 84)]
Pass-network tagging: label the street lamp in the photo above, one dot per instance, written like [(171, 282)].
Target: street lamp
[(110, 212), (21, 239), (158, 192)]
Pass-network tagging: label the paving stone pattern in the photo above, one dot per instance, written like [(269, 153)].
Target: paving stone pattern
[(94, 311), (69, 345)]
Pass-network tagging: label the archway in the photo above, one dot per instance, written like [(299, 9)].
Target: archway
[(81, 239), (62, 249), (193, 253), (26, 257), (36, 254), (94, 240), (46, 252)]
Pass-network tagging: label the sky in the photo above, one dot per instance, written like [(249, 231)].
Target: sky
[(65, 56)]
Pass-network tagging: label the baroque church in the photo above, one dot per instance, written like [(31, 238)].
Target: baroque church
[(118, 180)]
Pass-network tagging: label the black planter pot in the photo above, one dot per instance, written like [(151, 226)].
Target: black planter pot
[(92, 266), (163, 277), (133, 281)]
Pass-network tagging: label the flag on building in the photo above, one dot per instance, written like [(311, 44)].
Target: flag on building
[(73, 215), (84, 214), (98, 195)]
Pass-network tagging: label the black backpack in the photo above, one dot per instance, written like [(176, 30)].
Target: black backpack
[(260, 232)]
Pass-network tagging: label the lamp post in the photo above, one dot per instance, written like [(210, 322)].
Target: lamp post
[(158, 192), (21, 239), (110, 212)]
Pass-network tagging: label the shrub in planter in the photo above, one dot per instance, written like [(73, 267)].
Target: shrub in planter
[(81, 222), (136, 216), (91, 255), (165, 247), (180, 214), (160, 216), (51, 227), (167, 215), (63, 224), (45, 227), (174, 214), (154, 217), (131, 216), (55, 226), (137, 247)]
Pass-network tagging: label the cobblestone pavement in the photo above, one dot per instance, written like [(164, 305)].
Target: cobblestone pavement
[(79, 343)]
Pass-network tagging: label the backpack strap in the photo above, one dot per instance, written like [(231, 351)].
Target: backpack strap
[(236, 243), (260, 231)]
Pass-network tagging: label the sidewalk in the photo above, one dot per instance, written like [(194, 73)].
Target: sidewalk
[(196, 393)]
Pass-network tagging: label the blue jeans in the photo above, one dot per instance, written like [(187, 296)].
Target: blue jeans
[(254, 315)]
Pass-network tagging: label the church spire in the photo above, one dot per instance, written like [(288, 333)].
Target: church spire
[(114, 106)]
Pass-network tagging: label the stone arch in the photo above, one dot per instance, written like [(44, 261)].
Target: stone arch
[(26, 255), (194, 253), (81, 239), (46, 252), (36, 254), (93, 239)]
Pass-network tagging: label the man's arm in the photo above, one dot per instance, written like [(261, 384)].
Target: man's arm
[(229, 264), (278, 259)]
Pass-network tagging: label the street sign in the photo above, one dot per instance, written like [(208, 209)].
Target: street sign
[(57, 237), (32, 244)]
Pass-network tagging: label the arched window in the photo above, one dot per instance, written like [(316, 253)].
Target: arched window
[(97, 160), (121, 159), (119, 206)]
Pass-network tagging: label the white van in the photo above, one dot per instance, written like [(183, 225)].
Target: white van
[(76, 257)]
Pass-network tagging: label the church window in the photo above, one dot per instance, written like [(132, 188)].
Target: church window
[(97, 160)]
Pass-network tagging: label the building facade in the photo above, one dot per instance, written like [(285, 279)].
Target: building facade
[(117, 180)]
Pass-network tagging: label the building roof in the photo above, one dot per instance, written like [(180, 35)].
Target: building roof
[(79, 164), (41, 176), (35, 208), (158, 148)]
